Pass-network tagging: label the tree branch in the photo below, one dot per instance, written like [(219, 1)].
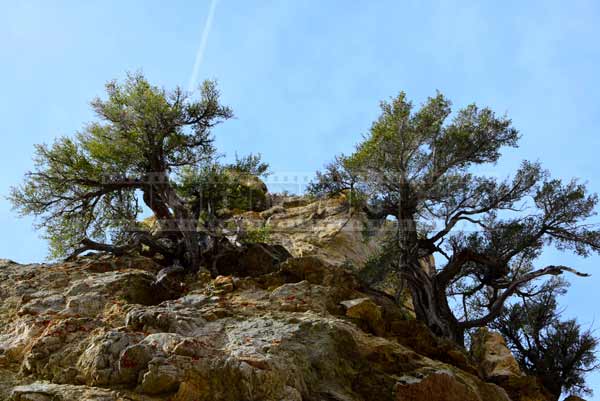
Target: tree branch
[(498, 304)]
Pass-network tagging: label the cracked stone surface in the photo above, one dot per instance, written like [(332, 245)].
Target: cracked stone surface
[(98, 328)]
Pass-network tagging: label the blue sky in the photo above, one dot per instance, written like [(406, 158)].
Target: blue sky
[(304, 78)]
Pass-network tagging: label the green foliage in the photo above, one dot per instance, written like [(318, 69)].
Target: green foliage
[(204, 187), (381, 270), (557, 351), (212, 186), (420, 167), (260, 235), (251, 164), (88, 187), (245, 192), (337, 178)]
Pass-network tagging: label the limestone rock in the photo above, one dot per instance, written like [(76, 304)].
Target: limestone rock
[(367, 310), (303, 296), (53, 392), (6, 262), (300, 328), (169, 317), (444, 385), (417, 336), (317, 271), (54, 353), (490, 351), (248, 193), (524, 388), (101, 363), (18, 336), (223, 284), (327, 228), (250, 260), (289, 201)]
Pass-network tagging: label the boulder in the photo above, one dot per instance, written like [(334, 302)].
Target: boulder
[(499, 366), (443, 385), (101, 363), (524, 388), (366, 310), (417, 336), (250, 260), (491, 353), (317, 271), (328, 228), (246, 192)]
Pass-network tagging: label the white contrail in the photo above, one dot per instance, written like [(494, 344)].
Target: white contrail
[(202, 47)]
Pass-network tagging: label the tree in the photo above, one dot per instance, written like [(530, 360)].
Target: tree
[(212, 187), (557, 351), (420, 168), (86, 190)]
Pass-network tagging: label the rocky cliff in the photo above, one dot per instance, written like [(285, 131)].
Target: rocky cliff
[(288, 321)]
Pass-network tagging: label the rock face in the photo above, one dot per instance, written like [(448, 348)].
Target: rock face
[(250, 260), (490, 351), (367, 311), (328, 228), (246, 192), (57, 392), (289, 321), (97, 329), (497, 365)]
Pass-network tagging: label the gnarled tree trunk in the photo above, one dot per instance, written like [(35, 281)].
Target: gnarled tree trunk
[(429, 298), (431, 305), (174, 218)]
